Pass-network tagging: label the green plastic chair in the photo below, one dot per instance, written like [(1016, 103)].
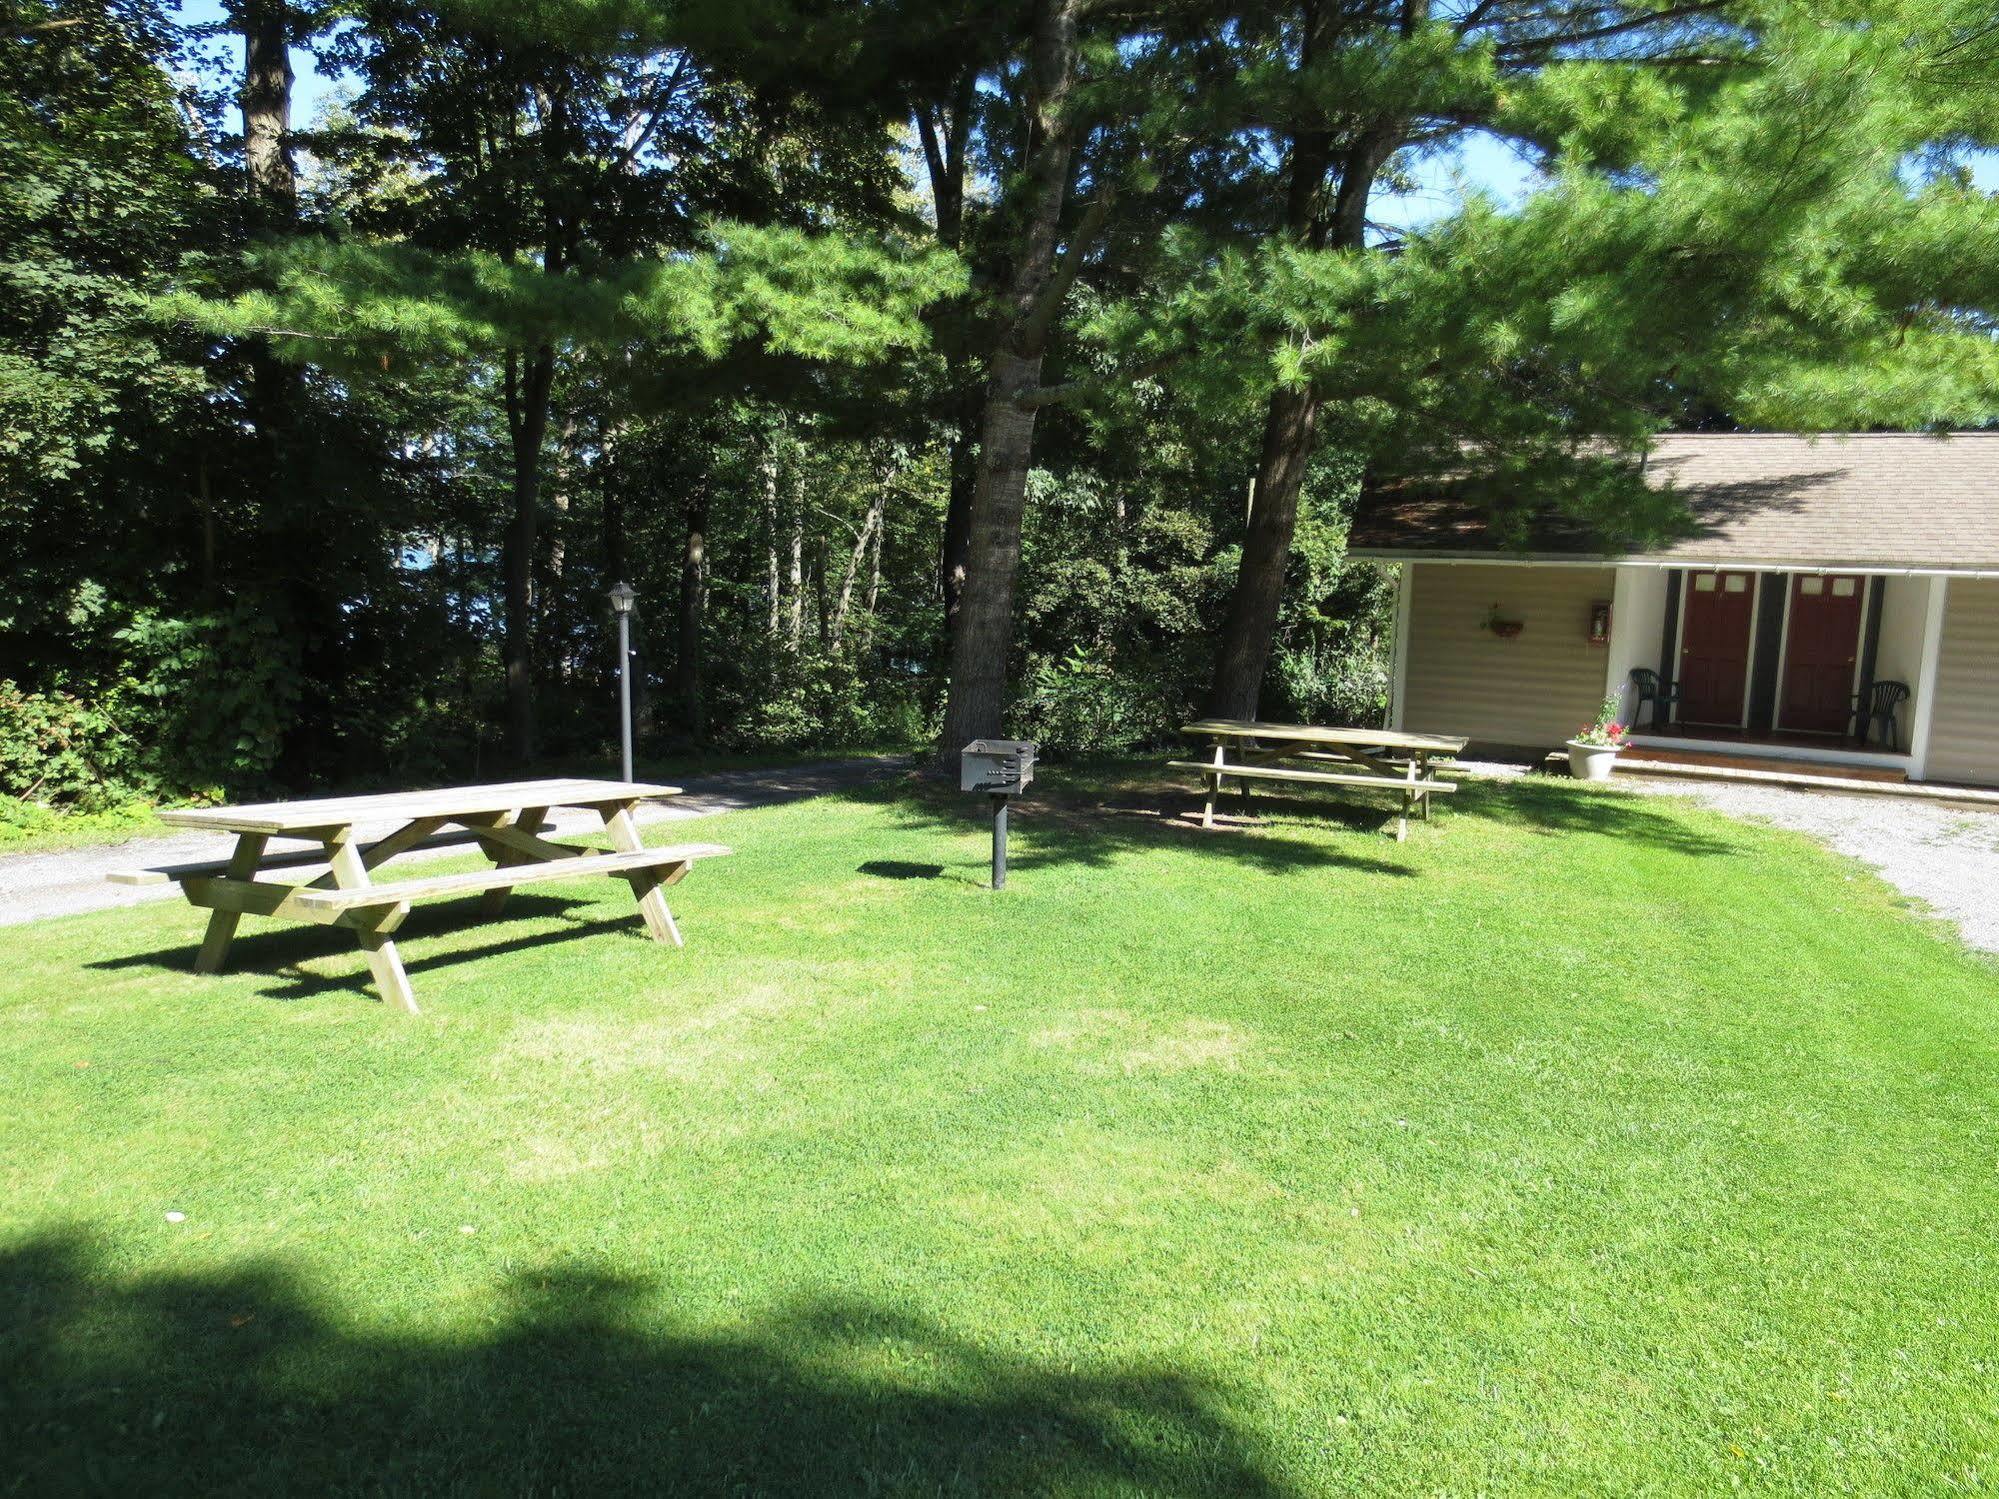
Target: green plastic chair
[(1875, 710), (1651, 690)]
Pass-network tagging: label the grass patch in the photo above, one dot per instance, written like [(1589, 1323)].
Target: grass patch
[(1583, 1143)]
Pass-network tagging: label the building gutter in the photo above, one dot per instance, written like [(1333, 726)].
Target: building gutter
[(1706, 564)]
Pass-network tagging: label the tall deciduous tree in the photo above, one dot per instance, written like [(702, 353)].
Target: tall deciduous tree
[(570, 156)]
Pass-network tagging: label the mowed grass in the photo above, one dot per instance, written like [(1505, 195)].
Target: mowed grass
[(1582, 1144)]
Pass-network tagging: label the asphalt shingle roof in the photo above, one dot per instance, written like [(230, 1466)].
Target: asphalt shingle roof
[(1890, 500)]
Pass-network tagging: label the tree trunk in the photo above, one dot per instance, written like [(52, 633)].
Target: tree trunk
[(1251, 626), (875, 578), (562, 484), (266, 101), (284, 440), (1289, 430), (984, 635), (823, 606), (528, 385), (958, 511), (767, 475), (944, 131), (693, 595), (980, 644), (795, 518), (614, 526), (865, 539)]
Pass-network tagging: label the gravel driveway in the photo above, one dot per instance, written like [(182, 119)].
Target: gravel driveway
[(60, 883), (1947, 857)]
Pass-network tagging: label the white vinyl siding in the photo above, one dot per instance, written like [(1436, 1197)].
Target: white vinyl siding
[(1964, 725), (1533, 690)]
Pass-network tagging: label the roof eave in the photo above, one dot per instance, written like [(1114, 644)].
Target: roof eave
[(1433, 554), (1638, 559)]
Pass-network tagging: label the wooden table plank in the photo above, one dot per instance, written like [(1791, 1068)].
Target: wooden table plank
[(1258, 745), (473, 882), (503, 818), (162, 874), (1299, 733), (1310, 777), (315, 813)]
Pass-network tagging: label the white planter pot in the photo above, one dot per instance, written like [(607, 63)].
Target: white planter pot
[(1591, 762)]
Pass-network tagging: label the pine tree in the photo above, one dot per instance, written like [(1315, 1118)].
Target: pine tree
[(1699, 153)]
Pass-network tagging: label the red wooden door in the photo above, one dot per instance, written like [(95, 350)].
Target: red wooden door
[(1714, 647), (1821, 645)]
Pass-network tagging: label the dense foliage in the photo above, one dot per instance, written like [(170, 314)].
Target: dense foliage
[(1029, 354)]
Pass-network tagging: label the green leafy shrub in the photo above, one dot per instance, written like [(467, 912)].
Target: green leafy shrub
[(1332, 685), (818, 698), (66, 749), (221, 689), (1081, 705)]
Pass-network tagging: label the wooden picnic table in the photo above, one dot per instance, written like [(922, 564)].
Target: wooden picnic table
[(505, 821), (1377, 759)]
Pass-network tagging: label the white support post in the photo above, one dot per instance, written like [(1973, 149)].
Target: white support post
[(1405, 587), (1926, 682)]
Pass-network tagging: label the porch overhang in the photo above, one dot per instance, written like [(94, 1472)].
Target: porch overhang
[(1669, 564)]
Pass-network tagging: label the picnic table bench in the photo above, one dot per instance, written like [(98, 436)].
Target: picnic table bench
[(1374, 759), (505, 822)]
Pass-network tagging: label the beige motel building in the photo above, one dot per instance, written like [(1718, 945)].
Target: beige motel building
[(1819, 575)]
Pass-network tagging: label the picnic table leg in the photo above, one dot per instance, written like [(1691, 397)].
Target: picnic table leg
[(1409, 799), (222, 924), (495, 900), (384, 962), (1214, 788), (645, 883)]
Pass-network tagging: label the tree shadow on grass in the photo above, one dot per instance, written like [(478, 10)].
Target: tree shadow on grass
[(1553, 807), (1102, 816), (283, 951), (1096, 825), (242, 1383)]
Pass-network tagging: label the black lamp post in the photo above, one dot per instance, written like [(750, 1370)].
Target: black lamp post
[(623, 599)]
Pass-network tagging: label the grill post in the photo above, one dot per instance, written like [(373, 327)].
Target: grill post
[(999, 840)]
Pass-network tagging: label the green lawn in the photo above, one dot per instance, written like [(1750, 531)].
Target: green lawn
[(1582, 1144)]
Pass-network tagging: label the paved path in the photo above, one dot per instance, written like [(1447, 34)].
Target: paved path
[(1946, 856), (33, 886)]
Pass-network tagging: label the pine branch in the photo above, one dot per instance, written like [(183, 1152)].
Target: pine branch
[(1069, 390), (1542, 45)]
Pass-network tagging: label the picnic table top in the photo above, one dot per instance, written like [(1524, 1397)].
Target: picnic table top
[(442, 801), (1300, 733)]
